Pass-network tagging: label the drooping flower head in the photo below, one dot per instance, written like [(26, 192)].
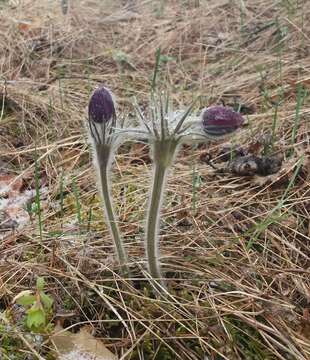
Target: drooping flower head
[(104, 140), (220, 120), (101, 106), (101, 115)]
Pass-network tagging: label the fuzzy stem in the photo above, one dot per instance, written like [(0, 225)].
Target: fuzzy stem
[(104, 161), (152, 226), (163, 154)]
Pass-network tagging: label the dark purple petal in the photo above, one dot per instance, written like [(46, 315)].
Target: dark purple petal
[(101, 106), (220, 120)]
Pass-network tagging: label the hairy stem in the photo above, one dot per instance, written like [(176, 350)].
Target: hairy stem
[(163, 152), (104, 169), (152, 225)]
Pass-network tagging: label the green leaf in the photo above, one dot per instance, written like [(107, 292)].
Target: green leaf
[(26, 300), (166, 58), (22, 294), (46, 300), (40, 283), (35, 317)]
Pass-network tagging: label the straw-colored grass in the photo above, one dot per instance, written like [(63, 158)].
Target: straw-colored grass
[(235, 249)]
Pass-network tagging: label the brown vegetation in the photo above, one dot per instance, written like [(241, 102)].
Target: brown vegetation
[(235, 249)]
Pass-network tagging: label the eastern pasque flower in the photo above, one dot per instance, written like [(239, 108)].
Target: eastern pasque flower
[(101, 106), (220, 120), (166, 131), (102, 121)]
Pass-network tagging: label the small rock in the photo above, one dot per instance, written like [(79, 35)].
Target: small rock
[(250, 165)]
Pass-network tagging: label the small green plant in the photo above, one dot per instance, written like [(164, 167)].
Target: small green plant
[(122, 61), (38, 308)]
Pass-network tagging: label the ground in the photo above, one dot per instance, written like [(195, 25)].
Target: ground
[(234, 248)]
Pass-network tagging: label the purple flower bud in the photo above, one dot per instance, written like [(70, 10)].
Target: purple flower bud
[(220, 120), (101, 106)]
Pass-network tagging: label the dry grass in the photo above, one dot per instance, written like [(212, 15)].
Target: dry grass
[(237, 264)]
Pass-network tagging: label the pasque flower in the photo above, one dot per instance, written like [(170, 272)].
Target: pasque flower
[(220, 120), (105, 139), (101, 106), (166, 131)]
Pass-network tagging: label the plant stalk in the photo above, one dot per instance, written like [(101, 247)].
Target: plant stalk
[(164, 151), (153, 222), (104, 170)]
